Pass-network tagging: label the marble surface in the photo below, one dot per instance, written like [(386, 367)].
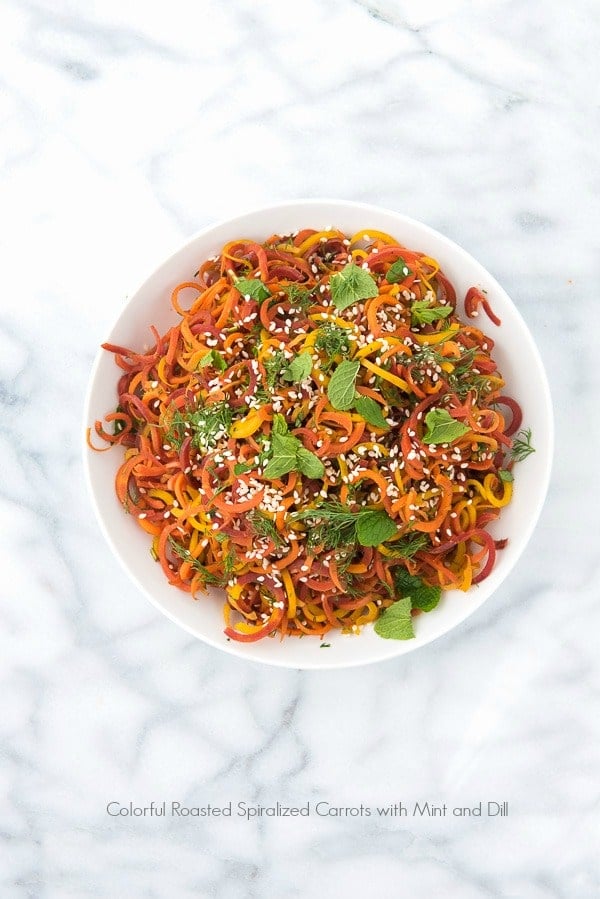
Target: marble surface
[(127, 126)]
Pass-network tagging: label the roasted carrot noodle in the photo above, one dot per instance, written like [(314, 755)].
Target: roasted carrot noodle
[(197, 417)]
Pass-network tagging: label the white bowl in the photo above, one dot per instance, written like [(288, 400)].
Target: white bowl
[(518, 360)]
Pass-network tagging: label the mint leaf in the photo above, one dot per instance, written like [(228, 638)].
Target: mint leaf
[(442, 428), (252, 287), (351, 285), (395, 622), (215, 359), (397, 272), (284, 456), (340, 389), (370, 411), (309, 464), (505, 475), (299, 368), (422, 597), (243, 467), (424, 314), (279, 425), (288, 454), (373, 527)]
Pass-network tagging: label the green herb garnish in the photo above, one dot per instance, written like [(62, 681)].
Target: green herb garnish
[(422, 313), (397, 272), (208, 577), (244, 467), (370, 411), (273, 366), (340, 389), (522, 447), (252, 287), (506, 475), (118, 425), (288, 454), (351, 285), (442, 428), (263, 526), (374, 527), (395, 622), (308, 463), (421, 595), (206, 425), (333, 341), (407, 546), (298, 296), (299, 368), (337, 525), (215, 359)]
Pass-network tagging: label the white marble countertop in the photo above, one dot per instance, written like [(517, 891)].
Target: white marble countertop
[(127, 126)]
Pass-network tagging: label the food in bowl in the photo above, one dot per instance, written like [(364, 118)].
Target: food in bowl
[(321, 435)]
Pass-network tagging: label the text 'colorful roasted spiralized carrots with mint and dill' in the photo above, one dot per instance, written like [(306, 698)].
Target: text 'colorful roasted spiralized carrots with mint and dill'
[(321, 437)]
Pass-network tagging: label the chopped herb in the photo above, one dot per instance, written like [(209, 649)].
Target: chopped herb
[(309, 464), (244, 467), (333, 341), (325, 646), (284, 456), (209, 578), (215, 359), (506, 475), (263, 526), (395, 622), (288, 454), (178, 428), (279, 425), (422, 313), (421, 595), (118, 425), (398, 271), (340, 389), (407, 546), (206, 426), (336, 525), (299, 368), (351, 285), (442, 428), (522, 447), (298, 296), (370, 410), (374, 527), (273, 366), (252, 287)]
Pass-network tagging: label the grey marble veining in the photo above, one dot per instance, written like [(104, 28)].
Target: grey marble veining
[(126, 126)]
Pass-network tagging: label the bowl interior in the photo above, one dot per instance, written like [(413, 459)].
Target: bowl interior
[(517, 358)]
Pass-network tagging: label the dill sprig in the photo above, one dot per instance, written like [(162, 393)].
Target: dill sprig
[(299, 297), (334, 525), (274, 366), (522, 447), (208, 577), (407, 546), (206, 425), (333, 341), (263, 526)]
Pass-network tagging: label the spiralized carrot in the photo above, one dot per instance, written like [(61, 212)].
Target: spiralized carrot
[(197, 416)]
